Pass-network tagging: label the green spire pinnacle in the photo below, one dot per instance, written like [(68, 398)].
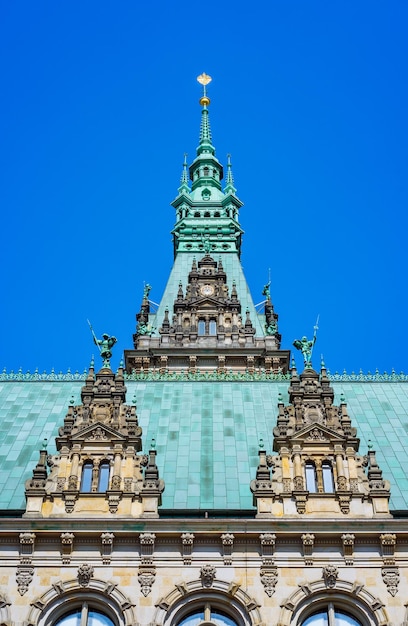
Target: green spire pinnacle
[(205, 210), (229, 187), (184, 188)]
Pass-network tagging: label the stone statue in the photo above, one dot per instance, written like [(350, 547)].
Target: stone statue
[(306, 347), (105, 344)]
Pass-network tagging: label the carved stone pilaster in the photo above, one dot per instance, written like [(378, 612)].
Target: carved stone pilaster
[(391, 577), (207, 575), (84, 574), (107, 547), (388, 543), (330, 574), (268, 541), (227, 544), (348, 548), (24, 576), (67, 545), (269, 578), (308, 545), (187, 540)]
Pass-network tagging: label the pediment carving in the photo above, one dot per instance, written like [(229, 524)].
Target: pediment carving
[(97, 432)]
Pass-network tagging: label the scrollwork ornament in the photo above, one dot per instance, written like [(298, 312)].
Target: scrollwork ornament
[(330, 574)]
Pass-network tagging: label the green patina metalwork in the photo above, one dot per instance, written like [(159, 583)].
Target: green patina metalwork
[(205, 210), (215, 375), (207, 434)]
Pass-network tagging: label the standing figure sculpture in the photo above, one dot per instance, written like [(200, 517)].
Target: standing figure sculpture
[(306, 347), (105, 344)]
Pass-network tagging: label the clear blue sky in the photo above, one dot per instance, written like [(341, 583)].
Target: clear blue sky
[(99, 104)]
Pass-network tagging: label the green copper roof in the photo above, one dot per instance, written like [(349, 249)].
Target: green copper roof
[(233, 269), (207, 434)]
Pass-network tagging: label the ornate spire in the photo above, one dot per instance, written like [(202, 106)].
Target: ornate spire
[(184, 188), (205, 130), (229, 187)]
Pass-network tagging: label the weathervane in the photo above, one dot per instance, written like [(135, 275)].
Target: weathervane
[(204, 79)]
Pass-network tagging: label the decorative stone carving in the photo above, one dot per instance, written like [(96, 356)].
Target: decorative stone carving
[(67, 544), (187, 540), (147, 547), (207, 574), (268, 547), (348, 547), (388, 543), (391, 579), (107, 547), (70, 499), (146, 579), (330, 574), (85, 573), (24, 576), (227, 543), (308, 545), (344, 502), (269, 578), (26, 548)]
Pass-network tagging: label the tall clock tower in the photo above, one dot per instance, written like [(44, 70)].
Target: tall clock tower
[(206, 320)]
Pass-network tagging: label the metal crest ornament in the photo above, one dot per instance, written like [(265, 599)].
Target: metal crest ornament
[(204, 79)]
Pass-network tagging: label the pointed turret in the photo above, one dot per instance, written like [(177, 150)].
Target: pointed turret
[(205, 211)]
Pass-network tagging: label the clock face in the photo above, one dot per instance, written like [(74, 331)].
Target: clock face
[(207, 290)]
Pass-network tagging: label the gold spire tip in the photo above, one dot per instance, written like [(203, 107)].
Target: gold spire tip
[(204, 79)]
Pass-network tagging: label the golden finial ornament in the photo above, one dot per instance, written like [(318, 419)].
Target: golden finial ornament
[(204, 79)]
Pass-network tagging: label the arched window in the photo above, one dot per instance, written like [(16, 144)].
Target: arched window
[(103, 479), (331, 617), (85, 616), (201, 327), (207, 617), (86, 478), (310, 472), (212, 327), (327, 474)]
